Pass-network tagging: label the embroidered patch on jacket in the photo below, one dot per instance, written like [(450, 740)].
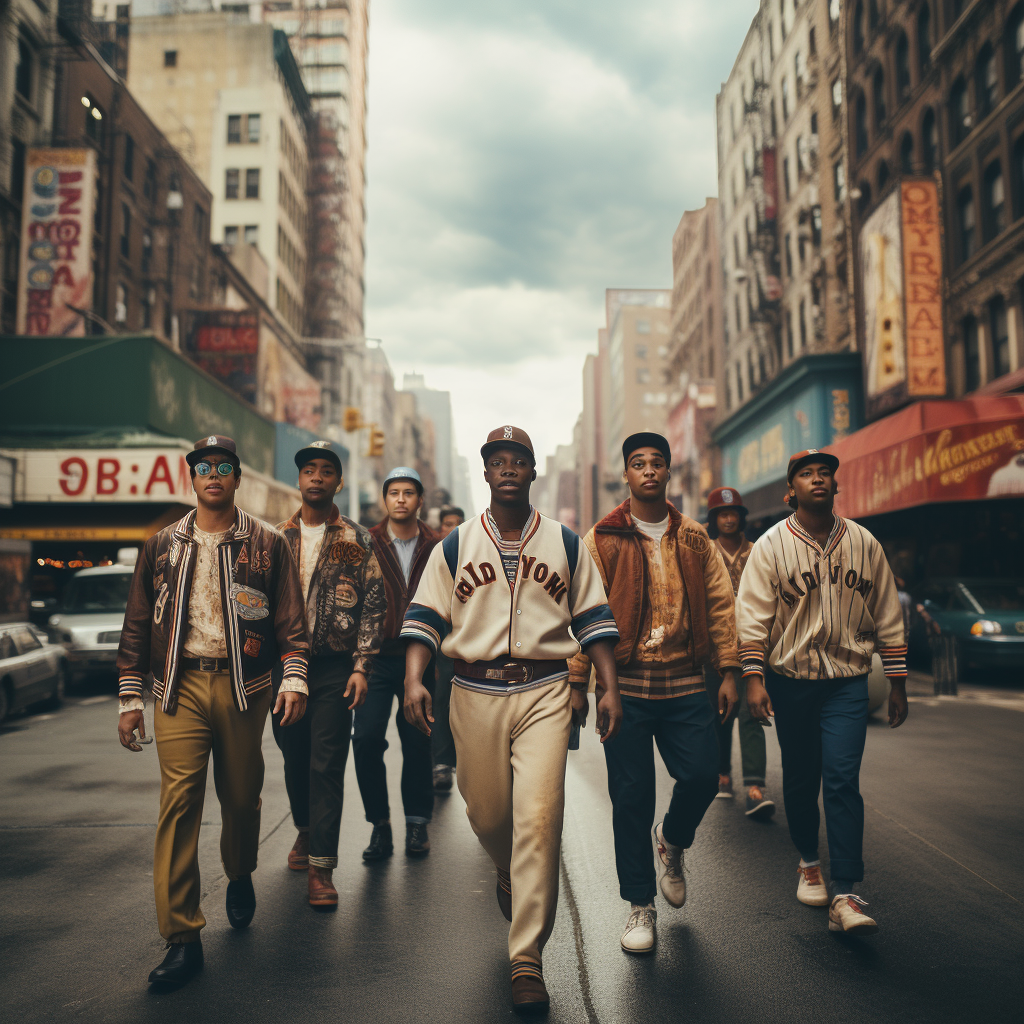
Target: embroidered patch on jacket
[(175, 552), (252, 647), (249, 603), (159, 604), (347, 552), (345, 595)]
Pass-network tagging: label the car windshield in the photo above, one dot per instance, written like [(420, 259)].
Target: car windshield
[(991, 596), (107, 592)]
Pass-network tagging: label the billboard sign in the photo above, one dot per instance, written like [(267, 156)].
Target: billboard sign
[(226, 343), (55, 274)]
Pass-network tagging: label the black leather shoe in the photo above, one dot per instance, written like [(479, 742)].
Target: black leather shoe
[(241, 902), (381, 844), (183, 962), (417, 843)]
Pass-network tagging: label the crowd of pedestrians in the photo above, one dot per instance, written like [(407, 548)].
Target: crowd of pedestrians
[(486, 638)]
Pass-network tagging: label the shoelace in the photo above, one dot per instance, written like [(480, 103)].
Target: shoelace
[(852, 897), (674, 867), (641, 917), (812, 875)]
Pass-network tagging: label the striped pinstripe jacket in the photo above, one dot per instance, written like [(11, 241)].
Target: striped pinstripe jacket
[(819, 613), (264, 614)]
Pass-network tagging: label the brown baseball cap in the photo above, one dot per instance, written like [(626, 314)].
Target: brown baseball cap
[(508, 437), (213, 443), (810, 455)]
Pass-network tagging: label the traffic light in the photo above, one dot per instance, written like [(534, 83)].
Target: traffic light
[(352, 419), (376, 443)]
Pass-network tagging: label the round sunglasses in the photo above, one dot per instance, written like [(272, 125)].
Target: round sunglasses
[(224, 468)]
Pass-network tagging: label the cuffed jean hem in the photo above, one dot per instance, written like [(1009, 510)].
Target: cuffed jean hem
[(638, 897), (329, 863), (850, 870), (411, 819)]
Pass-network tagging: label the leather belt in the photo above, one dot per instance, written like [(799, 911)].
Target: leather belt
[(510, 670), (206, 664)]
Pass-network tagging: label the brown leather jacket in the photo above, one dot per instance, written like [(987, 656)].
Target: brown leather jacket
[(347, 602), (264, 620), (399, 594)]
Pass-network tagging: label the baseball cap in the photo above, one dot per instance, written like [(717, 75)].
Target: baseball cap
[(403, 473), (213, 443), (726, 497), (801, 459), (508, 437), (318, 450), (646, 439)]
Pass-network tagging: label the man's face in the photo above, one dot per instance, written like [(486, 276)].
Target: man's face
[(449, 523), (647, 474), (728, 522), (509, 473), (814, 487), (402, 501), (319, 481), (215, 490)]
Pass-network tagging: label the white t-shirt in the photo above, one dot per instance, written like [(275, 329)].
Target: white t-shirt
[(312, 538), (653, 530)]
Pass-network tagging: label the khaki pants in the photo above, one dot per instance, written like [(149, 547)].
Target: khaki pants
[(206, 720), (511, 750)]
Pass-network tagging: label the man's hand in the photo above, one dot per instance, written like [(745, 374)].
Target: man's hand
[(898, 709), (758, 701), (356, 689), (418, 706), (128, 723), (293, 704), (580, 707), (728, 695)]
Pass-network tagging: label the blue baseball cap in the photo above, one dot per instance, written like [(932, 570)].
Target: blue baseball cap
[(403, 473)]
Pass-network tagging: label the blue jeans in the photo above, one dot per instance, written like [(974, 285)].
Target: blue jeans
[(822, 726), (684, 729)]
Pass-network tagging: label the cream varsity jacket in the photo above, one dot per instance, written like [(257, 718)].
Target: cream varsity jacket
[(819, 614), (466, 606)]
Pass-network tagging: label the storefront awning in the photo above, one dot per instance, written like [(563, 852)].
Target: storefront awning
[(933, 451)]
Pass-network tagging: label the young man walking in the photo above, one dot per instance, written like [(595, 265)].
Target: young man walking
[(345, 604), (727, 519), (673, 603), (441, 743), (510, 596), (214, 607), (816, 600), (402, 544)]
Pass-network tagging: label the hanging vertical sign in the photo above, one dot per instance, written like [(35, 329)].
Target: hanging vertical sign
[(55, 273)]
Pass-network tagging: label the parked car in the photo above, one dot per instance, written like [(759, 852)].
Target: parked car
[(984, 616), (32, 670), (88, 623)]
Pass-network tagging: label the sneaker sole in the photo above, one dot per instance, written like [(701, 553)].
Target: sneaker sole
[(378, 856), (638, 952), (417, 853), (723, 796), (765, 809), (821, 901), (859, 929)]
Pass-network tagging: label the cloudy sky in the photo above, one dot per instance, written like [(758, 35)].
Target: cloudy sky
[(523, 157)]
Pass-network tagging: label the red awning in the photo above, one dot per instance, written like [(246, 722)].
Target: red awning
[(933, 451)]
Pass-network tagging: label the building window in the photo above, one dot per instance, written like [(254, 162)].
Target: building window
[(812, 42), (987, 81), (643, 327), (1015, 47), (834, 9), (121, 304), (907, 154), (252, 183), (252, 234), (739, 382), (864, 202), (93, 119), (231, 234), (995, 201), (129, 157), (170, 58), (126, 227), (837, 98), (883, 176), (785, 176), (789, 333), (643, 375), (858, 28), (839, 180), (1018, 174), (789, 254), (149, 181), (924, 39), (803, 325), (641, 351), (1000, 337), (234, 129), (785, 100), (930, 141), (24, 73), (252, 128), (199, 224), (967, 223), (231, 183), (19, 152), (860, 124), (878, 95), (799, 72), (972, 355), (959, 112), (148, 296), (902, 67)]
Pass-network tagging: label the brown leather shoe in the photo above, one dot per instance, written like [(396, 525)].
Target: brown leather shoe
[(529, 995), (504, 892), (298, 855), (321, 889)]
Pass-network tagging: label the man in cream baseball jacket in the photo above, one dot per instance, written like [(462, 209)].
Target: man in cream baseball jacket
[(510, 596), (816, 600)]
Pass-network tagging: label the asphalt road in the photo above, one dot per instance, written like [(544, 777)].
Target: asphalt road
[(424, 940)]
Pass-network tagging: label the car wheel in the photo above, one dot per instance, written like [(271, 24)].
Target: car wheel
[(56, 697), (5, 700)]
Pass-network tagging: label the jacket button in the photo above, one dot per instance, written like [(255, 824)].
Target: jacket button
[(519, 611), (518, 644)]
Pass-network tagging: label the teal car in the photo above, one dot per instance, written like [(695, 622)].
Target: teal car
[(985, 616)]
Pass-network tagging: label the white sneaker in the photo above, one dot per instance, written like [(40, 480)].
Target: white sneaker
[(811, 888), (670, 868), (845, 915), (639, 934)]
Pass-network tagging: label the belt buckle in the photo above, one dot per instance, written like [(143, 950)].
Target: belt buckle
[(208, 665)]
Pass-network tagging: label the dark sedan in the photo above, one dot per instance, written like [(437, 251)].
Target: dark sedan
[(32, 670)]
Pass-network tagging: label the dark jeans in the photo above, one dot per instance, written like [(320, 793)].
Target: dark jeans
[(822, 726), (441, 743), (684, 729), (387, 681), (753, 755), (315, 752)]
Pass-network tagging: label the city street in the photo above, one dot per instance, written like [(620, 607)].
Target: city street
[(424, 940)]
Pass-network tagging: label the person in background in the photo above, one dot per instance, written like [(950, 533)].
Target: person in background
[(345, 605), (727, 519), (402, 544), (441, 743)]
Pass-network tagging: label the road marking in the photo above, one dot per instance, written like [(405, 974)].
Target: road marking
[(943, 852)]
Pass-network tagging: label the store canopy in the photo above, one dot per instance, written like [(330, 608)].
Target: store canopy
[(933, 451)]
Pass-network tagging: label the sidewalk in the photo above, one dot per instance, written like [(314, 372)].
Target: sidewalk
[(921, 687)]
